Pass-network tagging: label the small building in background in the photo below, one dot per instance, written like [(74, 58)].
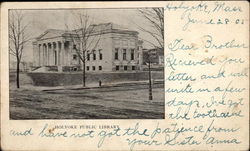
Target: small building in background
[(156, 57)]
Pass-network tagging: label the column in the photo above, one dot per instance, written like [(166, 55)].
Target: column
[(67, 55), (44, 61), (39, 55), (57, 49), (69, 52), (66, 48), (59, 53), (54, 53), (47, 54), (50, 54), (63, 53), (48, 50)]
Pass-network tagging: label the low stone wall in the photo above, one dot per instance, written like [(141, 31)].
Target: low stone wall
[(60, 79)]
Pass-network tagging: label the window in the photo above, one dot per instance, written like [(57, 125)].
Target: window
[(74, 46), (117, 68), (100, 54), (100, 67), (116, 53), (74, 57), (133, 67), (88, 55), (125, 67), (87, 68), (94, 55), (124, 54), (132, 54), (93, 68)]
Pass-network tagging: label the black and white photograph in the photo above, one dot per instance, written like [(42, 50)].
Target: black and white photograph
[(91, 63)]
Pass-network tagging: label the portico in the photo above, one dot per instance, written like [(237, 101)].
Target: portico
[(53, 53)]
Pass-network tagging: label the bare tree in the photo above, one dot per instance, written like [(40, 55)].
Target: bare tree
[(155, 28), (85, 36), (18, 38), (155, 19)]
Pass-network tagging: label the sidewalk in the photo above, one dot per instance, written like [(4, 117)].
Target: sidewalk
[(92, 85)]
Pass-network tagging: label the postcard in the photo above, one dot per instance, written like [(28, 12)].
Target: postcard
[(164, 75)]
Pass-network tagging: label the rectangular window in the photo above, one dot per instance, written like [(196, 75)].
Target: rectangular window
[(116, 53), (124, 54), (93, 68), (88, 55), (100, 54), (125, 67), (132, 54), (94, 55), (74, 57), (116, 68), (133, 67), (87, 68), (100, 67)]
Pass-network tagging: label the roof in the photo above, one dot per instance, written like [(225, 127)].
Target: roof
[(51, 33), (93, 29), (107, 27)]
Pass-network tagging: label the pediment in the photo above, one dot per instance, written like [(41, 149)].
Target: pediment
[(50, 34)]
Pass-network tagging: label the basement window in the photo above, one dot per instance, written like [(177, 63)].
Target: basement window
[(116, 68), (125, 67)]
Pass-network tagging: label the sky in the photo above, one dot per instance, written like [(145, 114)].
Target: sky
[(41, 20)]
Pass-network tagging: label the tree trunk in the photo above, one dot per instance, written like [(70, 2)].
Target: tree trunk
[(17, 74), (150, 84), (83, 75), (83, 70)]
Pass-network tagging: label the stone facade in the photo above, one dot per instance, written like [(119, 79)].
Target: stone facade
[(112, 48)]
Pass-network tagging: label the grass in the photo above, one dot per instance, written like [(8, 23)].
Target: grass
[(123, 102)]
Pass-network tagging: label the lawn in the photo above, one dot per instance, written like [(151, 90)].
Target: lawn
[(119, 102)]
